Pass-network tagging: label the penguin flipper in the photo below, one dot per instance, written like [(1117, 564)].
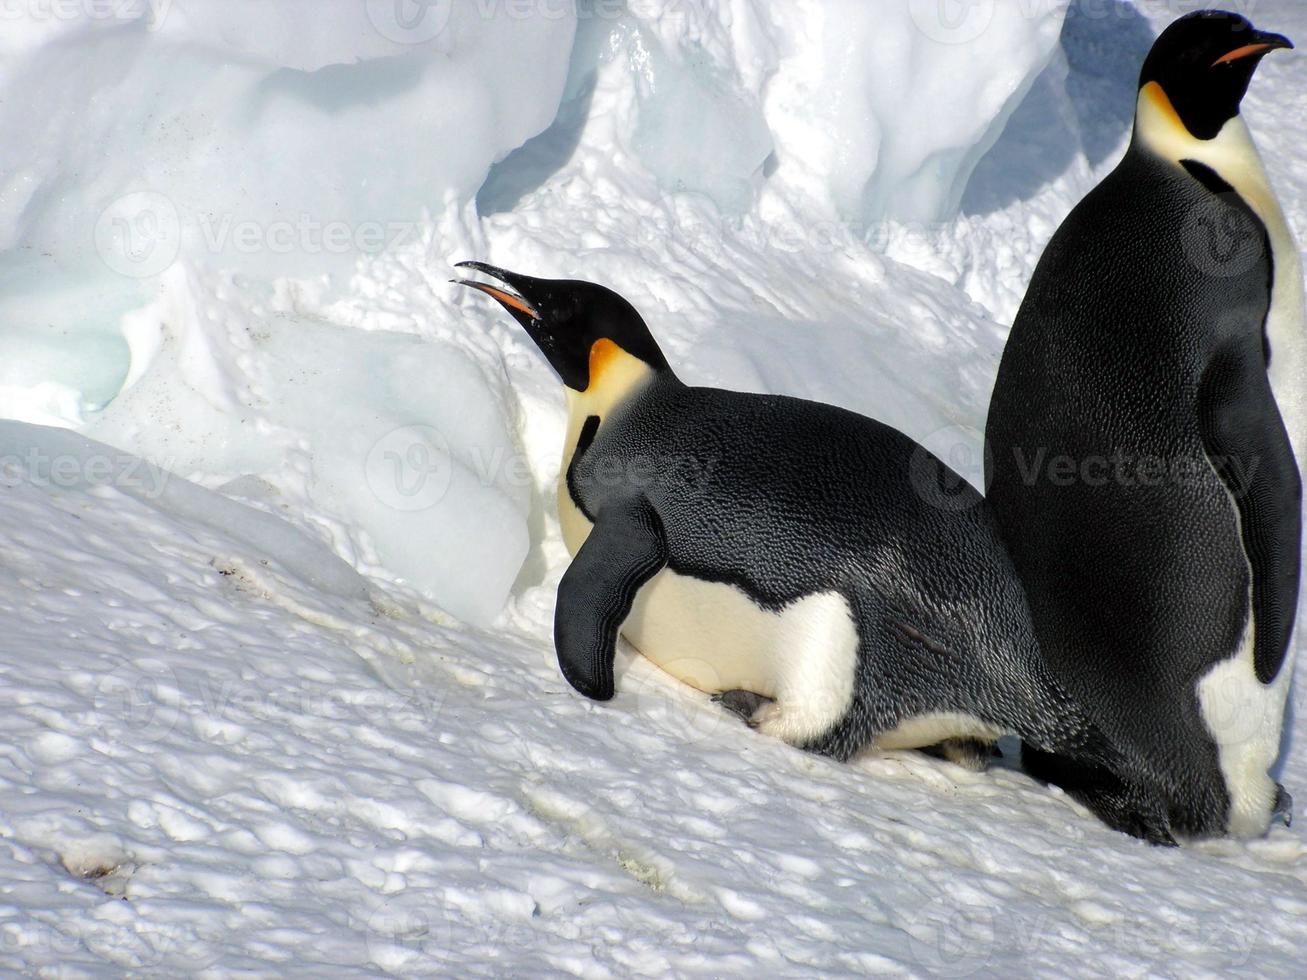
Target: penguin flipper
[(1248, 446), (625, 549)]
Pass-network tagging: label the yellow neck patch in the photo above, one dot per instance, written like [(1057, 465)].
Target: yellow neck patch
[(1155, 97), (603, 353), (615, 376)]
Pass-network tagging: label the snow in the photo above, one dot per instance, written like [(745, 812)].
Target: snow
[(278, 685)]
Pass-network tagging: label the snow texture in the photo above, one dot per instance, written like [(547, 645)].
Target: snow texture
[(277, 692)]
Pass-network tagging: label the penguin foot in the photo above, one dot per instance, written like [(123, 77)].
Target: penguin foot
[(1283, 806), (745, 704), (794, 722)]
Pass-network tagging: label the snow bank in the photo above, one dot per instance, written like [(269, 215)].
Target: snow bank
[(190, 184), (891, 106), (62, 462), (266, 139), (281, 137)]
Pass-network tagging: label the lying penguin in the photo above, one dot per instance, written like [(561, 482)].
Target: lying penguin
[(780, 553)]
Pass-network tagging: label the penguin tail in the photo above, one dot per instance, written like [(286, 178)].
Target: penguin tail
[(1120, 803)]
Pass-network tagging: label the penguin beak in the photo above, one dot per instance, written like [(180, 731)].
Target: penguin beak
[(517, 305), (1262, 43)]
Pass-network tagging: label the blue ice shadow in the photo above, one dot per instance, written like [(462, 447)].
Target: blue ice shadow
[(528, 167), (1104, 43)]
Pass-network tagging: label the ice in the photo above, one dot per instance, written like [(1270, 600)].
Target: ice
[(267, 141), (843, 102), (891, 106), (208, 126), (141, 223), (392, 446)]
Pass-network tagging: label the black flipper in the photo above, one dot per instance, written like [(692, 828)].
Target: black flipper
[(1247, 444), (625, 549)]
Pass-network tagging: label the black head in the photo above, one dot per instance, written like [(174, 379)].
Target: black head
[(1204, 63), (567, 318)]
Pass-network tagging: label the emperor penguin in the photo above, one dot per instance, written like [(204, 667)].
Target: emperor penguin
[(791, 557), (1141, 445)]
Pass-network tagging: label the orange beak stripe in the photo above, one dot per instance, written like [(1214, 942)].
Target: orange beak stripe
[(508, 299), (1246, 51)]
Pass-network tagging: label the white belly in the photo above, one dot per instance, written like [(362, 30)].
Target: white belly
[(931, 729), (715, 638), (1286, 328)]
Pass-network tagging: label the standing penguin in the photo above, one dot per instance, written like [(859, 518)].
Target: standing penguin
[(1141, 445), (795, 558)]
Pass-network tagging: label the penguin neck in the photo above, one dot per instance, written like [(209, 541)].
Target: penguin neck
[(616, 380), (1231, 153)]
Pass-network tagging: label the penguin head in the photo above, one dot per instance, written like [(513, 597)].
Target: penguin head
[(579, 326), (1202, 65)]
